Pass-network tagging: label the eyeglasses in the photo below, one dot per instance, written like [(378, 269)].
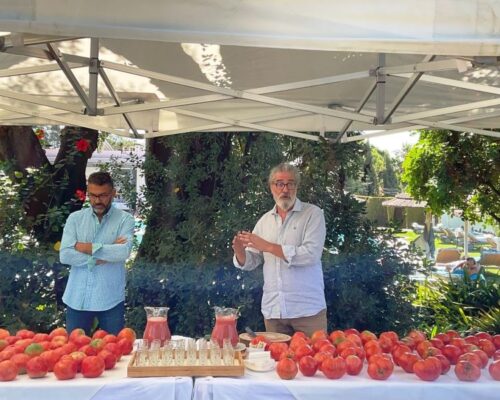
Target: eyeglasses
[(289, 185), (102, 196)]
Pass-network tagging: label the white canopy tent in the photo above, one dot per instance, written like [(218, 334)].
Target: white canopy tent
[(305, 69)]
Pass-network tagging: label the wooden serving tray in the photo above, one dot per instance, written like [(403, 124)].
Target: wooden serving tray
[(238, 369)]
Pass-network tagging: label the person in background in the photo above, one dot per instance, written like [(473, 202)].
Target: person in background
[(469, 266), (288, 240), (96, 242)]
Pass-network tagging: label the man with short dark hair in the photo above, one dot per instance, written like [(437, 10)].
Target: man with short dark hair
[(96, 243), (289, 241)]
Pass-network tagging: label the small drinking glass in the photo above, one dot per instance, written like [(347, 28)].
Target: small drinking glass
[(167, 354), (190, 351), (202, 351), (154, 352), (179, 351), (227, 352), (215, 353)]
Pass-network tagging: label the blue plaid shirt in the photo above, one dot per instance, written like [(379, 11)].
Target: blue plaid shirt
[(94, 287)]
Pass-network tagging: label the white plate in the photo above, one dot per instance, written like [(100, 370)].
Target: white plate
[(240, 347), (259, 366)]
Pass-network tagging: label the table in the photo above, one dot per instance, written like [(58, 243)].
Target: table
[(112, 385), (400, 386)]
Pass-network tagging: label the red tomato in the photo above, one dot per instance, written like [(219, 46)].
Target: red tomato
[(286, 368), (99, 334), (318, 335), (303, 351), (40, 337), (258, 339), (494, 370), (115, 349), (288, 354), (437, 343), (319, 343), (367, 335), (356, 339), (110, 339), (344, 345), (483, 356), (92, 366), (297, 342), (452, 334), (25, 334), (443, 337), (78, 356), (4, 333), (20, 359), (472, 339), (65, 369), (484, 335), (126, 346), (386, 344), (334, 368), (452, 353), (407, 361), (76, 333), (308, 366), (391, 335), (445, 363), (277, 349), (109, 359), (336, 337), (329, 348), (58, 332), (428, 369), (50, 357), (467, 371), (398, 350), (431, 352), (496, 355), (127, 333), (380, 369), (417, 336), (354, 365), (487, 346), (36, 367), (473, 358), (8, 371), (495, 340), (320, 357), (351, 331)]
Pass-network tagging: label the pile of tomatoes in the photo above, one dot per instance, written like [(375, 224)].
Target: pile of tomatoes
[(347, 352), (36, 354)]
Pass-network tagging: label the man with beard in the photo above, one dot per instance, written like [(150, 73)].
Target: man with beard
[(289, 241), (96, 242)]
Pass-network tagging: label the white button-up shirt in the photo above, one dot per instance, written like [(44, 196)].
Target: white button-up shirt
[(293, 287)]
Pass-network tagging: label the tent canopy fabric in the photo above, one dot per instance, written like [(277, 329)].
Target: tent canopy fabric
[(303, 69)]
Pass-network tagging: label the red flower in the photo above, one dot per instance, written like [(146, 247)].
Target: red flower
[(80, 194), (82, 145), (39, 133)]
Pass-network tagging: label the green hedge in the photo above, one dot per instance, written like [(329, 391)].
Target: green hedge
[(363, 291)]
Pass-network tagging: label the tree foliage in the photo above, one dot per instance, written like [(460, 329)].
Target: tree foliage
[(452, 170)]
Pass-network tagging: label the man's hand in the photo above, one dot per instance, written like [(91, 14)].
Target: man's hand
[(249, 239), (83, 247), (239, 250), (120, 240)]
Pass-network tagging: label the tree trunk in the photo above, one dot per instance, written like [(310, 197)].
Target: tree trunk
[(54, 185)]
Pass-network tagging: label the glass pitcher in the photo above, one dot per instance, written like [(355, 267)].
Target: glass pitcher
[(157, 324), (225, 325)]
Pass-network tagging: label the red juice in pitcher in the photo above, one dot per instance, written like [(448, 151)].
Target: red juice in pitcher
[(157, 328), (225, 328)]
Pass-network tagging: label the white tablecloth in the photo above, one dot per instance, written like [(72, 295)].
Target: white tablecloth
[(112, 385), (400, 386)]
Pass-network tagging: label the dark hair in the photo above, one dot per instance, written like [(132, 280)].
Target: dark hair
[(471, 259), (101, 178)]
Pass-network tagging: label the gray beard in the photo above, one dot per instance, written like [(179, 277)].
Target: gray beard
[(285, 204)]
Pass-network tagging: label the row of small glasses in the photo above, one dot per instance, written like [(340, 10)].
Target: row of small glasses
[(187, 351)]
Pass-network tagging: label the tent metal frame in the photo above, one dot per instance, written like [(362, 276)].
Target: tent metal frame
[(384, 121)]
